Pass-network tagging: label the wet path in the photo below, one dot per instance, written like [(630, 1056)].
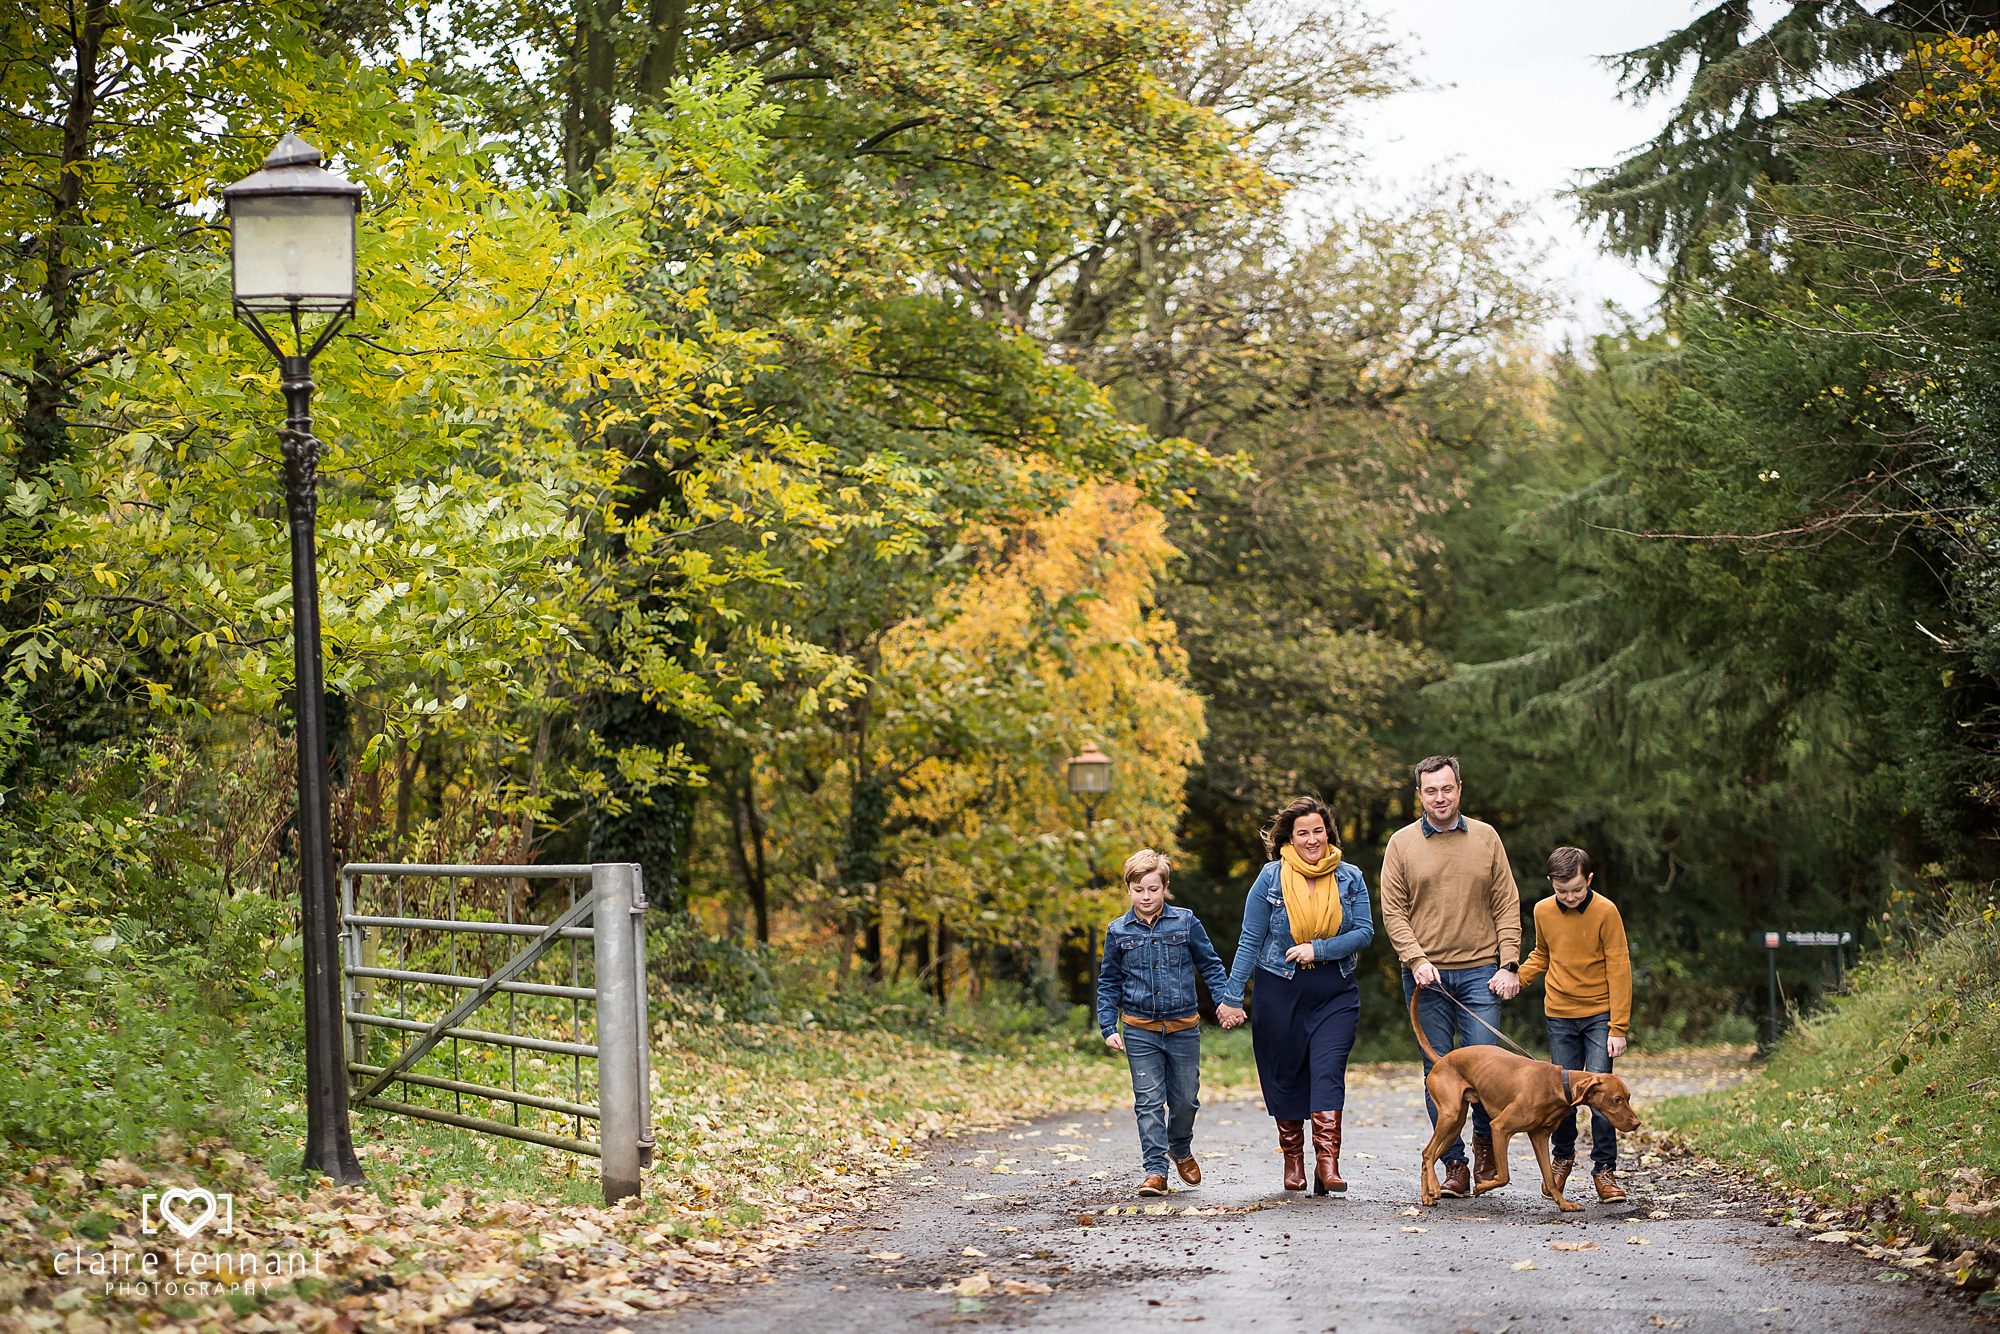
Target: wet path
[(1038, 1227)]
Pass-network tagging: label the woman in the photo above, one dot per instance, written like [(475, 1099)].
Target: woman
[(1306, 919)]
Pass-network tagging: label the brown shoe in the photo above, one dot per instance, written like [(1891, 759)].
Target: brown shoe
[(1457, 1180), (1483, 1166), (1326, 1154), (1560, 1168), (1189, 1169), (1608, 1189), (1153, 1185), (1292, 1144)]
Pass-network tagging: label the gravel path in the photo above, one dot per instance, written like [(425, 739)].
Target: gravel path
[(1036, 1227)]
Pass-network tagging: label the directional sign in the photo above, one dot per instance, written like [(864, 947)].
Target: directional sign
[(1771, 940)]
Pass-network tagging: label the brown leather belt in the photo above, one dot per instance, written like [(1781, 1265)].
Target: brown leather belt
[(1180, 1025)]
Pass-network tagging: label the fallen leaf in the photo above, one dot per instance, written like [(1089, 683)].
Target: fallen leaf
[(885, 1255), (974, 1252), (1834, 1236), (973, 1285), (1416, 1229), (1638, 1241), (1025, 1287), (1524, 1264), (1574, 1246)]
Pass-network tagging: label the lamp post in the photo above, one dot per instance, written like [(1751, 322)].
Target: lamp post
[(1090, 779), (291, 247), (1089, 775)]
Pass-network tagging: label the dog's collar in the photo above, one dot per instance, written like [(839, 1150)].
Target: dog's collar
[(1568, 1097)]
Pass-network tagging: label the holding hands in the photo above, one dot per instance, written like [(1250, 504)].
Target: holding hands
[(1231, 1015), (1505, 983)]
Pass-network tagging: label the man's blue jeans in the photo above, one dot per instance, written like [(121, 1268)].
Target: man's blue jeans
[(1449, 1028), (1166, 1077), (1583, 1044)]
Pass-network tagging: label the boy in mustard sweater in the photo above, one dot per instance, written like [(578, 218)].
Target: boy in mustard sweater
[(1580, 945)]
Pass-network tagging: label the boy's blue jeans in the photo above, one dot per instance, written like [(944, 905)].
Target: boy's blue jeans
[(1166, 1077), (1584, 1044), (1450, 1028)]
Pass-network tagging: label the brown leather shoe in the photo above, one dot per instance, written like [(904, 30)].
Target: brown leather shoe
[(1326, 1154), (1292, 1144), (1189, 1169), (1153, 1185), (1483, 1166), (1560, 1168), (1457, 1180), (1608, 1189)]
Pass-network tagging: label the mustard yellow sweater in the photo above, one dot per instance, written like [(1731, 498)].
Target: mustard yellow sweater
[(1586, 959)]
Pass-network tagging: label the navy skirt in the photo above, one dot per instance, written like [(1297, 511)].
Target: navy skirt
[(1302, 1028)]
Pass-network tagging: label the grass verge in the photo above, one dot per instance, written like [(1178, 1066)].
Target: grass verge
[(1881, 1114), (767, 1132)]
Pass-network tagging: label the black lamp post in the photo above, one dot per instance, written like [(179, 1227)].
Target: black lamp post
[(1090, 782), (291, 234), (1090, 779)]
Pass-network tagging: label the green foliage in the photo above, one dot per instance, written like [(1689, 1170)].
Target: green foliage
[(1886, 1096), (114, 1043)]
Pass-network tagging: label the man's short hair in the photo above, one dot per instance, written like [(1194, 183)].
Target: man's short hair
[(1567, 863), (1143, 863), (1435, 763)]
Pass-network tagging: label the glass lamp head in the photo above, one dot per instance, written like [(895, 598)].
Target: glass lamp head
[(1090, 772), (291, 233)]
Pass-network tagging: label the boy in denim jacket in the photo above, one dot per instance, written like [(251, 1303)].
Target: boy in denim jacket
[(1151, 955)]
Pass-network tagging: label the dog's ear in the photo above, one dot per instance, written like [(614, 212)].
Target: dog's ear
[(1584, 1085)]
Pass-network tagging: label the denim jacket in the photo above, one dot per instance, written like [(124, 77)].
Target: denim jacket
[(1148, 971), (1267, 935)]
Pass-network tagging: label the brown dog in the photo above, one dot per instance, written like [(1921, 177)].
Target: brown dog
[(1520, 1096)]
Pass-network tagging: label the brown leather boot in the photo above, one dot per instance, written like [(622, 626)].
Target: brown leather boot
[(1292, 1144), (1560, 1168), (1189, 1169), (1483, 1166), (1608, 1189), (1154, 1184), (1457, 1180), (1326, 1154)]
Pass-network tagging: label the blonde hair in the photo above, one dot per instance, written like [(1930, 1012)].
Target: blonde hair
[(1143, 863)]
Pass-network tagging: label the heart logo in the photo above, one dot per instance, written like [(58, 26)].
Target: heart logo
[(187, 1197)]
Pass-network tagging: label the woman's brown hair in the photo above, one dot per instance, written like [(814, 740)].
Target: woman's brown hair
[(1279, 832)]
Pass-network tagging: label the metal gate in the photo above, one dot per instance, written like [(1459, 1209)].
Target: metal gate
[(610, 915)]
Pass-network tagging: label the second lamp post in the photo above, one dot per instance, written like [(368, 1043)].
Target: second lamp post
[(291, 233)]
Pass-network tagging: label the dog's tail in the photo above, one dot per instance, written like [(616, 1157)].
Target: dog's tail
[(1422, 1041)]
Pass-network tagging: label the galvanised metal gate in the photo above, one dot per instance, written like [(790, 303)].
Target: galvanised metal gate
[(611, 915)]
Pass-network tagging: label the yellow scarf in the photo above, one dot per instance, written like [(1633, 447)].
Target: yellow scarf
[(1312, 894)]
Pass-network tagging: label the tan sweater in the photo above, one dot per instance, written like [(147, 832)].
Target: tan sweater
[(1450, 900), (1585, 956)]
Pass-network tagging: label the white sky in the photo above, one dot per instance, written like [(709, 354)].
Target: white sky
[(1517, 92)]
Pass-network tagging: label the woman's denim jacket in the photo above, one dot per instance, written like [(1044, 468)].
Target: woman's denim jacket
[(1148, 971), (1267, 934)]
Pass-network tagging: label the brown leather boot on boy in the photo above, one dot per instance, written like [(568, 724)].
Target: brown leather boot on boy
[(1153, 1185), (1457, 1180), (1608, 1189), (1292, 1144), (1189, 1169), (1326, 1154), (1560, 1168)]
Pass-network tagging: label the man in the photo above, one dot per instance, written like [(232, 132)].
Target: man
[(1453, 914)]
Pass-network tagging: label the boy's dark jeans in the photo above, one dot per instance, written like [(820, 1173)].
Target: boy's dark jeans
[(1583, 1044), (1166, 1075)]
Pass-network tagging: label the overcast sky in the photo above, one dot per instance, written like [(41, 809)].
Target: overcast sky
[(1517, 92)]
